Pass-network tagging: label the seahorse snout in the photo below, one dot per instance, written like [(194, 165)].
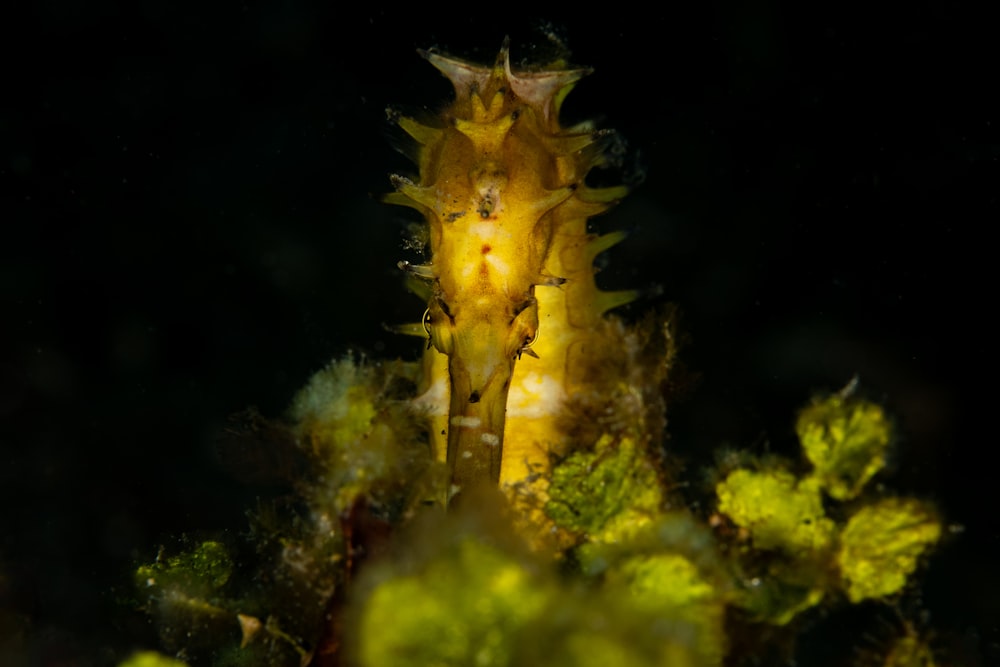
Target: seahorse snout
[(480, 371)]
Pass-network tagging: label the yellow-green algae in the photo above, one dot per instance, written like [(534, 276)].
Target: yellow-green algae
[(672, 570), (643, 581), (363, 447), (151, 659), (205, 568), (882, 543), (846, 440), (875, 552), (478, 599), (595, 628), (361, 435), (909, 650), (779, 510), (607, 491), (465, 607), (783, 513), (187, 596)]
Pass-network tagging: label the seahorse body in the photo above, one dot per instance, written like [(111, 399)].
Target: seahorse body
[(511, 265)]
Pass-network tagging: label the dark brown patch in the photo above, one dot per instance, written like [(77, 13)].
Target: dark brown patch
[(486, 248)]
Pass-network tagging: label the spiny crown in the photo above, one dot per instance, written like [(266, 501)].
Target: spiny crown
[(480, 92)]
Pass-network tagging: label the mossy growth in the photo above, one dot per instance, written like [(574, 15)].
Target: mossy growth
[(582, 628), (204, 569), (370, 570), (367, 465), (671, 569), (846, 440), (202, 614), (466, 595), (881, 545), (910, 650), (784, 514), (188, 594), (151, 659), (779, 510), (607, 491), (871, 555), (363, 439), (411, 619)]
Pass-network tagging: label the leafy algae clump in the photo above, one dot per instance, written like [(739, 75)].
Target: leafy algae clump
[(779, 511), (606, 491), (151, 659), (473, 597), (363, 438), (462, 608), (875, 552), (205, 568), (639, 582), (365, 574), (846, 440), (881, 544)]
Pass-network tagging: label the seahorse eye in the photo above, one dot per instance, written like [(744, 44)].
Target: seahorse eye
[(526, 347), (523, 328), (439, 324)]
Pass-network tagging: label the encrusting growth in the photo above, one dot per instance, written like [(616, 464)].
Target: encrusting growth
[(513, 314)]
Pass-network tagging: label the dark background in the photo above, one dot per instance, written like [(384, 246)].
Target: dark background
[(190, 226)]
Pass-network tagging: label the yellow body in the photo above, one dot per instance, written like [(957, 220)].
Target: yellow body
[(512, 305)]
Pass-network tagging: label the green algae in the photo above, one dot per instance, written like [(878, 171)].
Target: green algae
[(882, 543), (640, 582), (846, 441)]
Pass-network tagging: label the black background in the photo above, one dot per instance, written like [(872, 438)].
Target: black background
[(190, 226)]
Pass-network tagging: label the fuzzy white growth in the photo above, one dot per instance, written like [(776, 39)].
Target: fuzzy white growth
[(434, 401), (535, 395)]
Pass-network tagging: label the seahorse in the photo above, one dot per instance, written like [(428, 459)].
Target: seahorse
[(514, 319)]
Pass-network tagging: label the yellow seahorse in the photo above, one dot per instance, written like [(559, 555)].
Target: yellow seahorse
[(514, 317)]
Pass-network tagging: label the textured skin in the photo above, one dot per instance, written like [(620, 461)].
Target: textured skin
[(511, 265)]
